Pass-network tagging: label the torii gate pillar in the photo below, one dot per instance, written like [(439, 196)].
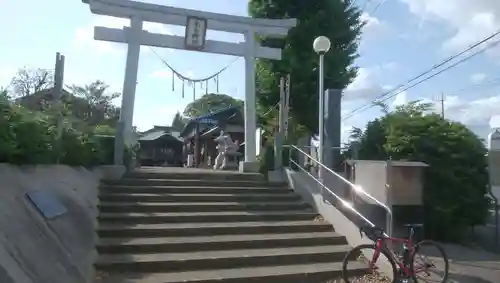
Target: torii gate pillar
[(250, 164), (130, 80), (134, 36)]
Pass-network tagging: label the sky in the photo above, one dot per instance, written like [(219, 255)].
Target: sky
[(401, 39)]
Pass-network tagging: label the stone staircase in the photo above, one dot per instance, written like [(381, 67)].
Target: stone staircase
[(208, 227)]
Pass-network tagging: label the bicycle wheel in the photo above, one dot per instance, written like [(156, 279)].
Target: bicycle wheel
[(429, 263), (359, 266)]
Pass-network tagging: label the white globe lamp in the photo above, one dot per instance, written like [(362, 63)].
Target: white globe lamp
[(321, 44)]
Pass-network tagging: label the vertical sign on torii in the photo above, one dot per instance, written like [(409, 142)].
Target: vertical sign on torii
[(196, 33), (196, 23)]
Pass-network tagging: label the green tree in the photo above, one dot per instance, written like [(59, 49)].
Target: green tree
[(330, 18), (4, 95), (105, 130), (456, 179), (99, 106), (209, 103)]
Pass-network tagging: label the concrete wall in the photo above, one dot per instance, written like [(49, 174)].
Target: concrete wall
[(35, 250), (494, 167), (372, 177), (407, 185)]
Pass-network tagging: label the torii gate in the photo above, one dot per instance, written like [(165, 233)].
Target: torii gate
[(196, 23)]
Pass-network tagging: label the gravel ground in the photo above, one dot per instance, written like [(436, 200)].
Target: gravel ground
[(369, 278)]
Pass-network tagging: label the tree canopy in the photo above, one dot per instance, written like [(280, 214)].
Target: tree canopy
[(30, 133), (29, 81), (209, 103), (330, 18), (457, 177), (99, 106)]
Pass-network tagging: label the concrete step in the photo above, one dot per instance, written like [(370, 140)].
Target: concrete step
[(203, 260), (188, 182), (211, 243), (301, 273), (182, 189), (199, 217), (159, 197), (199, 206), (216, 175), (210, 228)]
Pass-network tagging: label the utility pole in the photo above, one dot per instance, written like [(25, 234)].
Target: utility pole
[(58, 77), (57, 94), (441, 101)]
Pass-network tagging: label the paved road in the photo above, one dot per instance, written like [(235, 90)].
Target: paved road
[(472, 265)]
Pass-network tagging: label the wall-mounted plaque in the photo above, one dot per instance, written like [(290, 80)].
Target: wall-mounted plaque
[(46, 203)]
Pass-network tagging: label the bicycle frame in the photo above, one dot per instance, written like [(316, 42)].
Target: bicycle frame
[(381, 244)]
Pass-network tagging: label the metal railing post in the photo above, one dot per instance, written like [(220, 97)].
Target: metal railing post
[(388, 187)]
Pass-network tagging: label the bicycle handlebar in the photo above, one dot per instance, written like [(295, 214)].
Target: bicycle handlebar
[(374, 233)]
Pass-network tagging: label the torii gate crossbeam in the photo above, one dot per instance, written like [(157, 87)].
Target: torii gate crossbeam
[(134, 36)]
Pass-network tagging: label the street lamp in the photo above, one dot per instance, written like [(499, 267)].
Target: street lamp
[(321, 45)]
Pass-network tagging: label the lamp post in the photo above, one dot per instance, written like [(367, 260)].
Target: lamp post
[(321, 46)]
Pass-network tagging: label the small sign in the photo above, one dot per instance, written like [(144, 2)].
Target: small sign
[(207, 121), (326, 104), (287, 104), (196, 32), (46, 203)]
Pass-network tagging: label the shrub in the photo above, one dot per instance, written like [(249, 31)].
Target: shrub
[(30, 137), (457, 178)]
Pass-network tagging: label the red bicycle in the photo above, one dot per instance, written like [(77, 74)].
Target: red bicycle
[(401, 265)]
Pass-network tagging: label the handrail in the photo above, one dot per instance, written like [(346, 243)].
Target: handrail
[(326, 147), (357, 189)]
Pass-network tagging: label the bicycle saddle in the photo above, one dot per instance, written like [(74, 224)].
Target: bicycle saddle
[(413, 225)]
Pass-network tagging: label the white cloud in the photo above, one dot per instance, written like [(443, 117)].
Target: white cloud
[(479, 115), (401, 99), (373, 26), (476, 112), (145, 117), (495, 121), (364, 86), (389, 66), (470, 20), (478, 78), (162, 73), (84, 37)]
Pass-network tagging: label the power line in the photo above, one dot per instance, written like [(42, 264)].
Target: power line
[(351, 4), (378, 6), (442, 97), (271, 109), (365, 5), (433, 75), (434, 67)]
